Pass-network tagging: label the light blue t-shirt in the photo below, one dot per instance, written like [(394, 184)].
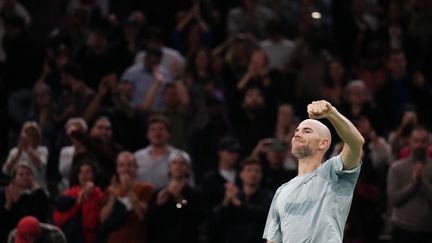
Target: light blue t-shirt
[(312, 208)]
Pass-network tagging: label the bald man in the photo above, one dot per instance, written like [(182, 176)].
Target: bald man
[(313, 206)]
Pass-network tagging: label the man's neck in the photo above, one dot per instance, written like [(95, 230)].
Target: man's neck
[(158, 150), (225, 166), (250, 189), (308, 164)]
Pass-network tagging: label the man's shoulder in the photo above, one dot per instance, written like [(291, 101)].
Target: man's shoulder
[(142, 152), (399, 164), (134, 68)]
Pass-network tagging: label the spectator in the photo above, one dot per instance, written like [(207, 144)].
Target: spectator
[(144, 73), (257, 73), (201, 78), (249, 17), (337, 79), (21, 197), (78, 208), (153, 159), (192, 31), (357, 102), (400, 137), (278, 48), (176, 209), (242, 213), (29, 151), (400, 89), (99, 57), (8, 9), (253, 119), (77, 95), (409, 189), (30, 230), (286, 122), (205, 136), (43, 111), (170, 59), (70, 155), (124, 214), (175, 107), (215, 180)]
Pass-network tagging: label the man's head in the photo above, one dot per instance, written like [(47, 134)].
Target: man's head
[(229, 151), (253, 99), (396, 63), (76, 124), (31, 131), (311, 137), (285, 115), (251, 172), (170, 95), (126, 164), (419, 143), (22, 175), (356, 93), (42, 95), (158, 130), (28, 230), (179, 165), (102, 129), (152, 58)]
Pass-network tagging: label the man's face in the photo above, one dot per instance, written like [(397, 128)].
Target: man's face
[(102, 129), (397, 64), (306, 140), (126, 164), (170, 97), (228, 157), (251, 174), (253, 99), (158, 134), (23, 177), (419, 143), (151, 61), (179, 167)]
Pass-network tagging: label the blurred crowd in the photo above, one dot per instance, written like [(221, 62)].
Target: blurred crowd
[(171, 121)]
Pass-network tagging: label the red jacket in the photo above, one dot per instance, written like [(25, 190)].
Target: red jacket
[(90, 210)]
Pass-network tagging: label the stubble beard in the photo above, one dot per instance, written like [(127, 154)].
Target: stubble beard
[(301, 152)]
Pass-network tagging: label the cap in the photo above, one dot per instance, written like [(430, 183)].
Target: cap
[(278, 145), (229, 144), (27, 230)]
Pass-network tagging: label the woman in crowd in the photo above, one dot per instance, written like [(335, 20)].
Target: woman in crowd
[(78, 208), (29, 151)]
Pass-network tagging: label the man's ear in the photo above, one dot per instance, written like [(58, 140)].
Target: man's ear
[(324, 144)]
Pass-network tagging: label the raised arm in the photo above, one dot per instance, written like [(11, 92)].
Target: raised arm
[(353, 140)]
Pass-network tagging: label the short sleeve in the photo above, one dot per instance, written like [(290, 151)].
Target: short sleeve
[(272, 230), (333, 170)]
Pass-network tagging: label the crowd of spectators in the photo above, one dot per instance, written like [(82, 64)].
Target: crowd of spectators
[(171, 121)]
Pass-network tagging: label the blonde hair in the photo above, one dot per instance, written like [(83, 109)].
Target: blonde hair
[(32, 125)]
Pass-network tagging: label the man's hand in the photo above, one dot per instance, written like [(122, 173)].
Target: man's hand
[(416, 172), (319, 109)]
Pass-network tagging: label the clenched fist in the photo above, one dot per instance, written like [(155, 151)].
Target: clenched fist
[(319, 109)]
